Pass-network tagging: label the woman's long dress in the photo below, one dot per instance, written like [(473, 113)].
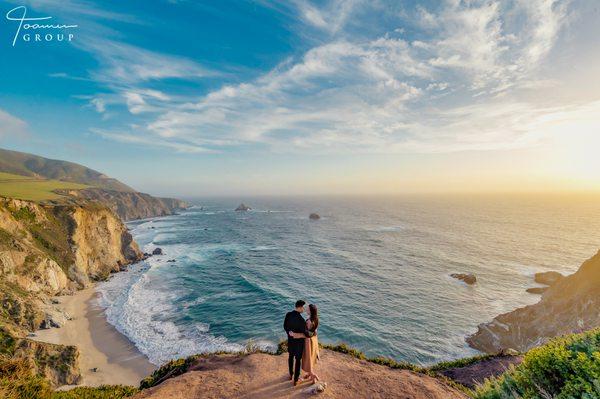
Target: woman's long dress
[(311, 350)]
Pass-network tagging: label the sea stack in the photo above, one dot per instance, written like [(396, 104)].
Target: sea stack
[(242, 208), (467, 278), (314, 216)]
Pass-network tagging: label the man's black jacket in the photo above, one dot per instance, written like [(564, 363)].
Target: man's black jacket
[(294, 322)]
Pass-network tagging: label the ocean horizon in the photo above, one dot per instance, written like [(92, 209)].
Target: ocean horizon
[(378, 268)]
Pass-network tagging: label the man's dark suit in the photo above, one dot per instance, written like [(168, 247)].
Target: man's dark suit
[(295, 322)]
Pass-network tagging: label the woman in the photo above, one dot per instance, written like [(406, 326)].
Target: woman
[(311, 344)]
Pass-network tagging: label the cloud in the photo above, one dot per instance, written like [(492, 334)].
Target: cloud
[(332, 17), (99, 104), (11, 126), (460, 83), (123, 64), (131, 138)]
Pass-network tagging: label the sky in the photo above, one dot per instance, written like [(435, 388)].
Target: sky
[(197, 98)]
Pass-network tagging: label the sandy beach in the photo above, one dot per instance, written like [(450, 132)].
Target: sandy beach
[(102, 347)]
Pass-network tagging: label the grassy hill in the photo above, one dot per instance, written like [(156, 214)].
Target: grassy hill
[(33, 189), (23, 164)]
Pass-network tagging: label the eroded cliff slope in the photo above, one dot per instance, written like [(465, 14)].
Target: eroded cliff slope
[(47, 250), (570, 305)]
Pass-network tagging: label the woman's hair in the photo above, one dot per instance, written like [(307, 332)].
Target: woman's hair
[(314, 316)]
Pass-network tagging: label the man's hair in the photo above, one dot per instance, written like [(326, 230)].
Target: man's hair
[(300, 303)]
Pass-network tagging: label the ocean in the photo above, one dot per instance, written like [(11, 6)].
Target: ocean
[(377, 267)]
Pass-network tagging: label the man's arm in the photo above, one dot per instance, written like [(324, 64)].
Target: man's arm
[(286, 323), (306, 333)]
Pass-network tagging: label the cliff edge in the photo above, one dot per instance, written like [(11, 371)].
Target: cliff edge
[(260, 375)]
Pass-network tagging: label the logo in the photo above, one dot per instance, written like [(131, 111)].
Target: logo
[(30, 30)]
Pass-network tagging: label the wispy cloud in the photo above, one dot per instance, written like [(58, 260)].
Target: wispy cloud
[(385, 94), (11, 126), (123, 64)]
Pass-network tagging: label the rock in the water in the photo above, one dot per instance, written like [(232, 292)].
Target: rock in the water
[(243, 208), (536, 290), (157, 251), (548, 278), (314, 216), (171, 261), (467, 278)]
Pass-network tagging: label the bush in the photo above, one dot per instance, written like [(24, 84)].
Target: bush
[(168, 370), (565, 368), (17, 381), (101, 392)]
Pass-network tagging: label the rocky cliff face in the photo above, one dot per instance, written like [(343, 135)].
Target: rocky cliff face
[(572, 304), (51, 249), (131, 205), (47, 250)]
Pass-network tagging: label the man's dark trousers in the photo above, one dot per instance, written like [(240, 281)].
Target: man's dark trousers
[(295, 354)]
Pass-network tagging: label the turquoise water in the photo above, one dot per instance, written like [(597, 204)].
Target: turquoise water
[(376, 267)]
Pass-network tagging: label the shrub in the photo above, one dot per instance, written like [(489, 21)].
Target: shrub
[(101, 392), (17, 381), (565, 368), (168, 370)]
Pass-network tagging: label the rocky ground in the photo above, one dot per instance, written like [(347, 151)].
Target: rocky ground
[(476, 373), (265, 376)]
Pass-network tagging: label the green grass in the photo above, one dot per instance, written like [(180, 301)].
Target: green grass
[(28, 188), (17, 381), (565, 368)]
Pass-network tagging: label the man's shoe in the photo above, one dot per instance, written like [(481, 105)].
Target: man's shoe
[(291, 377), (295, 382)]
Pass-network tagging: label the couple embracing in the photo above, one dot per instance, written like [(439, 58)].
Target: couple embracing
[(303, 346)]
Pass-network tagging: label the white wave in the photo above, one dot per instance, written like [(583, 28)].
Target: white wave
[(386, 229), (140, 311), (263, 248)]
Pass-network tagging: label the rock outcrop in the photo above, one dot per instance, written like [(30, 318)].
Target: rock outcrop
[(314, 216), (536, 290), (242, 208), (467, 278), (570, 305), (548, 278)]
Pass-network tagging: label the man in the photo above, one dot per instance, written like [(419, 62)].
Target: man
[(294, 322)]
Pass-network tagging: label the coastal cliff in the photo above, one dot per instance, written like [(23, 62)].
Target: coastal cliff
[(570, 305), (46, 250), (92, 185), (131, 205)]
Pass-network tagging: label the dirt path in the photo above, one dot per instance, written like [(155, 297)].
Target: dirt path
[(259, 376)]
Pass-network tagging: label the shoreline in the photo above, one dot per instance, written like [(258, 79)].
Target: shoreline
[(101, 345)]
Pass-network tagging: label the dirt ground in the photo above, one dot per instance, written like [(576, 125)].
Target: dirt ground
[(265, 376)]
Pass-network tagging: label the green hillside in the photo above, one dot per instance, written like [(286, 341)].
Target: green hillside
[(20, 163), (33, 189)]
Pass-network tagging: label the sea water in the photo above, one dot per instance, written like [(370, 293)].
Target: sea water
[(378, 269)]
